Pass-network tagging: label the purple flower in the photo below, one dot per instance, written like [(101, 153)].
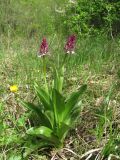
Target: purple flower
[(43, 48), (70, 44)]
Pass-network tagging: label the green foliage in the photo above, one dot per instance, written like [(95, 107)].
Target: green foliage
[(92, 16), (56, 114), (106, 128), (29, 18)]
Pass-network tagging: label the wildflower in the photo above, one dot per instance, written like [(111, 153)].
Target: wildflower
[(43, 48), (70, 45), (14, 88)]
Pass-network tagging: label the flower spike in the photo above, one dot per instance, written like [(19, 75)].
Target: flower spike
[(70, 44), (43, 48)]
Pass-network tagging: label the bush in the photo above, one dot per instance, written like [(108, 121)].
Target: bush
[(93, 16)]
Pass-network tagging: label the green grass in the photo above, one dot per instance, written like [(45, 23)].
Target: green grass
[(95, 63), (26, 18)]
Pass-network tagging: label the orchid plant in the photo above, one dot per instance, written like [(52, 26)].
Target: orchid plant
[(57, 114)]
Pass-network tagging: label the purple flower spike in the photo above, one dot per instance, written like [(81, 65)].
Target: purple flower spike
[(43, 48), (70, 45)]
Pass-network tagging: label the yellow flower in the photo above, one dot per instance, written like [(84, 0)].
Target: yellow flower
[(14, 88)]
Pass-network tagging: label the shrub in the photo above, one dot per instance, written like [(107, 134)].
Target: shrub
[(84, 16)]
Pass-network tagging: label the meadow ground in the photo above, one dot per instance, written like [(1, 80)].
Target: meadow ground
[(96, 63)]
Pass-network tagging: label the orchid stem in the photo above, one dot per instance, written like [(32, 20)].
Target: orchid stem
[(65, 57), (44, 73)]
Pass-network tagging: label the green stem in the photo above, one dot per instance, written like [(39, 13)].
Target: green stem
[(44, 73), (64, 60)]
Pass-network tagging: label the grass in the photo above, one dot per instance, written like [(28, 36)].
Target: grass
[(96, 63)]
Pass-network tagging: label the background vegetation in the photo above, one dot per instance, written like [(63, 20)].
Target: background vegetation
[(95, 17), (24, 17)]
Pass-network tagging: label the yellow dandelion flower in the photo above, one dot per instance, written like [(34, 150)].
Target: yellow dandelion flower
[(14, 88)]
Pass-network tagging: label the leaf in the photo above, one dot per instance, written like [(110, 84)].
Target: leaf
[(77, 109), (50, 116), (61, 79), (72, 101), (63, 130), (44, 97), (58, 78), (76, 113), (59, 105), (45, 133), (43, 119)]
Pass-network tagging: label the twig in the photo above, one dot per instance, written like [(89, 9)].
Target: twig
[(90, 152), (89, 157), (53, 157), (69, 150), (98, 156)]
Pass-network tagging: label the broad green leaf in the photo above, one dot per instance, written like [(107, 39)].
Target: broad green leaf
[(76, 113), (44, 97), (50, 116), (45, 133), (43, 119), (63, 130), (58, 78), (59, 105), (72, 101), (77, 108), (61, 79)]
